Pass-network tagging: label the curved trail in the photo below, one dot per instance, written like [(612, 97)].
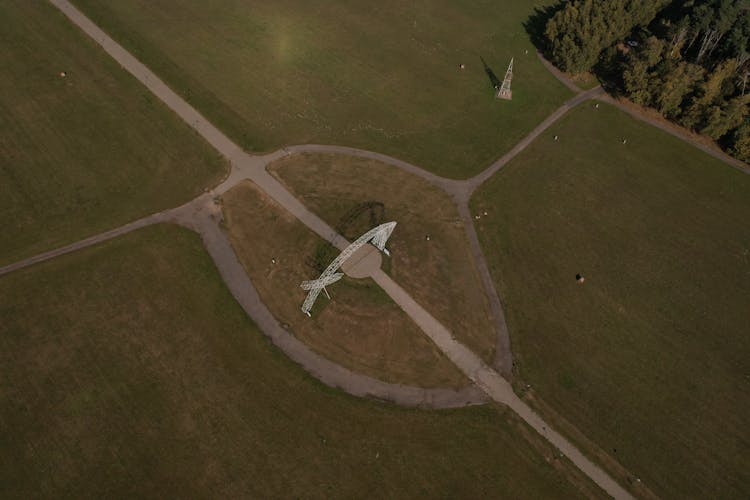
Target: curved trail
[(201, 215), (461, 191), (557, 73), (204, 218)]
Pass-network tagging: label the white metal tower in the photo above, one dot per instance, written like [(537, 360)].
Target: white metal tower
[(504, 92), (378, 235)]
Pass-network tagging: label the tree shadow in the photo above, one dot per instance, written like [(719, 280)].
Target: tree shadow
[(608, 70), (491, 74), (537, 23)]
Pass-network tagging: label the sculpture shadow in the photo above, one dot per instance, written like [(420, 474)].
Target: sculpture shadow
[(491, 74), (323, 254), (352, 224), (355, 222)]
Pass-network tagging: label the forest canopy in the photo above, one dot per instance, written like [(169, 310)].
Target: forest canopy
[(688, 59)]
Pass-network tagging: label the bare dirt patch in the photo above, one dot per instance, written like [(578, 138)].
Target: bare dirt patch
[(360, 328), (430, 256)]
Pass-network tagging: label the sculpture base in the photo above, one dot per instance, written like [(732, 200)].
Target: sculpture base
[(504, 94)]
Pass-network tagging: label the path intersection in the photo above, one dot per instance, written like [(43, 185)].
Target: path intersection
[(203, 215)]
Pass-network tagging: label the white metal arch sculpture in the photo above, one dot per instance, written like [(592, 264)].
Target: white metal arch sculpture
[(378, 235)]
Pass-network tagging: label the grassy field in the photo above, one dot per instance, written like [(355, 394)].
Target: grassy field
[(86, 152), (650, 357), (127, 370), (361, 327), (438, 273), (383, 76)]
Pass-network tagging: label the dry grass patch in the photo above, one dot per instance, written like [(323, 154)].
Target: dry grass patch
[(127, 370), (439, 273), (361, 328)]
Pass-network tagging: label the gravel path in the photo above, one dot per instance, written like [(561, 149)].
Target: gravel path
[(204, 218), (203, 215)]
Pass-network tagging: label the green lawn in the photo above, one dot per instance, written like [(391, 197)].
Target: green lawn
[(127, 370), (650, 357), (378, 75), (83, 153)]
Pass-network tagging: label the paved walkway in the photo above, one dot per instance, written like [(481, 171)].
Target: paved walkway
[(202, 215), (493, 384)]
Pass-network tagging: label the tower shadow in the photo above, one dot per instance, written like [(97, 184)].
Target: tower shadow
[(491, 74)]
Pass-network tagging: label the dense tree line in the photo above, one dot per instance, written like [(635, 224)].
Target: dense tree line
[(688, 59), (579, 32)]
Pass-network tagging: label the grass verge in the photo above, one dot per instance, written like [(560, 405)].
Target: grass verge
[(430, 257), (384, 77), (648, 357), (128, 370), (84, 152)]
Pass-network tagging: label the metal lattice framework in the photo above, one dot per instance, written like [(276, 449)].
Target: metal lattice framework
[(378, 236), (505, 92)]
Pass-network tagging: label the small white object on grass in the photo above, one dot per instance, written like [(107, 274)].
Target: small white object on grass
[(556, 137), (596, 105), (63, 74), (462, 66), (273, 260), (427, 237), (484, 213), (476, 216), (624, 141)]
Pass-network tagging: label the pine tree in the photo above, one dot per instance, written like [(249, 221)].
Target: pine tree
[(721, 119), (677, 80), (740, 147), (705, 107), (583, 28)]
